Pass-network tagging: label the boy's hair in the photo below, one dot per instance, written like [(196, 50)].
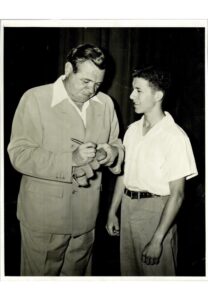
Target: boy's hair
[(157, 78), (86, 52)]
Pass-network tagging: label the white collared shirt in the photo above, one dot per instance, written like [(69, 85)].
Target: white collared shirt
[(59, 94), (162, 155)]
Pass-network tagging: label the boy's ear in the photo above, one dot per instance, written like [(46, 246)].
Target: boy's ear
[(159, 95)]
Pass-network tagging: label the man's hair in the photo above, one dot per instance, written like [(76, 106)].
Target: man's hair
[(157, 78), (86, 52)]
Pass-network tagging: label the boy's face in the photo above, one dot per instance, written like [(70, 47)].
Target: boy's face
[(143, 96)]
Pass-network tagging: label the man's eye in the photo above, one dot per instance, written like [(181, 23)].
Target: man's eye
[(97, 85), (86, 81)]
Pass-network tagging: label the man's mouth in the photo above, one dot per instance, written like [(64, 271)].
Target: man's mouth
[(88, 95)]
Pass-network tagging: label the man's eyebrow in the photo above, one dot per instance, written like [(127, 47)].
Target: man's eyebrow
[(85, 78), (88, 79)]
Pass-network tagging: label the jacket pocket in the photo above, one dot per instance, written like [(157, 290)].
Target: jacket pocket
[(44, 188)]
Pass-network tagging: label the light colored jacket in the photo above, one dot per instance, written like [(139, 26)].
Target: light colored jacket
[(41, 149)]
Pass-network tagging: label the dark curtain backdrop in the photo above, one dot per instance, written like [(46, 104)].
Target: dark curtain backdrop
[(36, 56)]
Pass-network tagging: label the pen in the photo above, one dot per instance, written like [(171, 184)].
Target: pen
[(77, 141)]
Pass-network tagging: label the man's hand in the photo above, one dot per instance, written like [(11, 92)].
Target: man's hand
[(112, 153), (112, 225), (84, 153), (151, 253)]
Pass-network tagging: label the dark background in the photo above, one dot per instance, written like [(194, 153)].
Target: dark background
[(36, 56)]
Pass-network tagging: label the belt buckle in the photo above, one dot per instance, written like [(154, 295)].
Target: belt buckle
[(135, 195), (131, 194)]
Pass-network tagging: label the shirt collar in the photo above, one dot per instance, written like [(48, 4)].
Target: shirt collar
[(168, 118), (60, 94), (164, 122)]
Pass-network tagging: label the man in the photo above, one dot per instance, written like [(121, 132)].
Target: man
[(158, 159), (57, 132)]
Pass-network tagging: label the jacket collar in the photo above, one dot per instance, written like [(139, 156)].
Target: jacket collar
[(60, 94)]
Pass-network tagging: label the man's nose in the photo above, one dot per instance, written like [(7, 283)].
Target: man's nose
[(91, 87)]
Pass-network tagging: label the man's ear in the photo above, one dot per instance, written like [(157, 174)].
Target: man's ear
[(68, 68), (159, 95)]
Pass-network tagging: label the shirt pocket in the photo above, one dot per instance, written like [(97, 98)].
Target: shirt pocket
[(154, 159)]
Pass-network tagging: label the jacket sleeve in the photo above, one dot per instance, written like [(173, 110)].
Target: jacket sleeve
[(26, 150), (115, 141)]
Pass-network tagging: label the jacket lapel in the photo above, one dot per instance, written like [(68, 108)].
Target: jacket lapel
[(72, 121), (95, 123)]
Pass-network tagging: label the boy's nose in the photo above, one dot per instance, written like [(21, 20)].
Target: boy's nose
[(132, 96)]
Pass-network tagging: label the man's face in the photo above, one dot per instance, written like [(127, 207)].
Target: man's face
[(143, 96), (84, 84)]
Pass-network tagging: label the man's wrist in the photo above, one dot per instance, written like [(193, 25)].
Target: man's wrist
[(115, 154)]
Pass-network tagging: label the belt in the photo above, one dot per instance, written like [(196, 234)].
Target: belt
[(139, 195)]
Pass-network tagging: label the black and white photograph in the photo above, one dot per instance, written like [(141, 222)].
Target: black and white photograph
[(104, 149)]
